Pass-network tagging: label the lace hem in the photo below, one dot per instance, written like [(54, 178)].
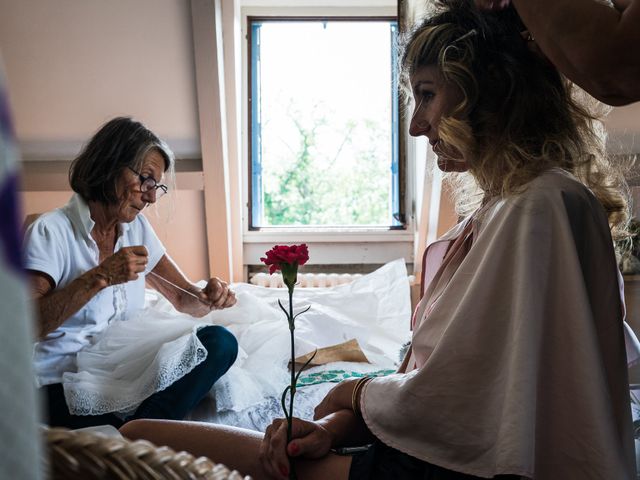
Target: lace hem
[(88, 394)]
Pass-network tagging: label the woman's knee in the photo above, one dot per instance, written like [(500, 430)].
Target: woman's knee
[(135, 429), (159, 432), (221, 344)]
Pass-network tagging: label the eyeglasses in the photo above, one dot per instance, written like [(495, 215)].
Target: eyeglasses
[(147, 184)]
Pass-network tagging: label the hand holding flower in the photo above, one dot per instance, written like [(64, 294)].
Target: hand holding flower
[(287, 259), (309, 440)]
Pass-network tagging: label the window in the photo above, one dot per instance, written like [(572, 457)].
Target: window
[(324, 127)]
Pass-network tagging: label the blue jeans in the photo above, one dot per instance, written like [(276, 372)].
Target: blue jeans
[(172, 403)]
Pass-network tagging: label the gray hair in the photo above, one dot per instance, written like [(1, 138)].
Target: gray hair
[(118, 144)]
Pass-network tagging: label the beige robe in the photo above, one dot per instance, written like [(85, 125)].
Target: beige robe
[(518, 362)]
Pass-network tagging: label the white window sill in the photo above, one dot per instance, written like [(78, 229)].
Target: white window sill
[(372, 246), (328, 235)]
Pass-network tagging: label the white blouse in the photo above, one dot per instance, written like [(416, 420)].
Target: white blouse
[(59, 243)]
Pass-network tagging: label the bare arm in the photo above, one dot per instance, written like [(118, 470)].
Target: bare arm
[(346, 429), (55, 306), (215, 295), (236, 448), (594, 45), (310, 440)]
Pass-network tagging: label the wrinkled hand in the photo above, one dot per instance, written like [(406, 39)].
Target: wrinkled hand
[(310, 440), (338, 398), (217, 294), (492, 4), (123, 266)]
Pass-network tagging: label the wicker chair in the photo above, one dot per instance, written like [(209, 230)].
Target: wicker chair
[(86, 455)]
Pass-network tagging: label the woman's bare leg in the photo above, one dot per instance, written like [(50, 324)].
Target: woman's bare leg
[(236, 448)]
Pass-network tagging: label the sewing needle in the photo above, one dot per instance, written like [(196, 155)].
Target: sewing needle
[(179, 288)]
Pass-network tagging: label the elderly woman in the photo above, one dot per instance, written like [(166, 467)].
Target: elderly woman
[(517, 367), (89, 261)]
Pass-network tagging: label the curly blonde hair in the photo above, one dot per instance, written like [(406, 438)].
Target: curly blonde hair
[(518, 117)]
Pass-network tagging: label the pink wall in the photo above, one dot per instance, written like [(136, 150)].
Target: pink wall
[(178, 221), (72, 65)]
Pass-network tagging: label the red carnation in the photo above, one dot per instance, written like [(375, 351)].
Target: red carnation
[(293, 255), (287, 259)]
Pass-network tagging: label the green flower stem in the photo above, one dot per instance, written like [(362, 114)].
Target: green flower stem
[(292, 389)]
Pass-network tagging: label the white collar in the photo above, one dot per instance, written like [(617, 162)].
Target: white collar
[(77, 210)]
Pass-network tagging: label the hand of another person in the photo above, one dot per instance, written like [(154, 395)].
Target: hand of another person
[(309, 440), (338, 398), (492, 4), (123, 266), (217, 294)]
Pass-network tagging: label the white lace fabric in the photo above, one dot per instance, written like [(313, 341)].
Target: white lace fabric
[(131, 360), (135, 358), (119, 303)]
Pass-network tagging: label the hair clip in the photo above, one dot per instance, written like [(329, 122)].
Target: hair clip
[(470, 33)]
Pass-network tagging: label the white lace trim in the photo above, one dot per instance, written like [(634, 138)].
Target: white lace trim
[(87, 394), (119, 302)]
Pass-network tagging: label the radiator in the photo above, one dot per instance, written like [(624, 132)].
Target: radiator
[(305, 280)]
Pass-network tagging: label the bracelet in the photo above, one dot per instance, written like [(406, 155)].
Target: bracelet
[(355, 397)]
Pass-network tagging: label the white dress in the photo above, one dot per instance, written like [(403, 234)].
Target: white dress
[(131, 360)]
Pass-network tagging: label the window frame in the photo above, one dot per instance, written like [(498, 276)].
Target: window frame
[(398, 217), (404, 223), (374, 245)]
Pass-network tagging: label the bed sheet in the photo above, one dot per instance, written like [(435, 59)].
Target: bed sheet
[(375, 309), (312, 386)]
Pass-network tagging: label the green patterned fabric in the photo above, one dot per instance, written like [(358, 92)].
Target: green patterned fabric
[(335, 376)]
